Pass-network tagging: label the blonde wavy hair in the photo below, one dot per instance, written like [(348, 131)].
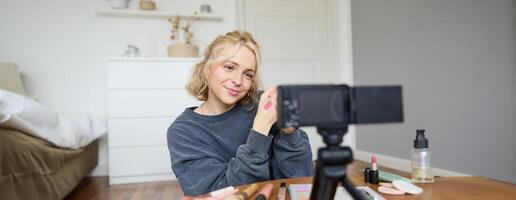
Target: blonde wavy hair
[(198, 84)]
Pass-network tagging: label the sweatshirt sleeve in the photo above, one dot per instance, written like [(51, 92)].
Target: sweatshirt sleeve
[(200, 169), (292, 155)]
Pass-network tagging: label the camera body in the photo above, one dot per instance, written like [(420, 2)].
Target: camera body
[(337, 106)]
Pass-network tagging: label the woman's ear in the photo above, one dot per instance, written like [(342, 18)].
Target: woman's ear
[(207, 71)]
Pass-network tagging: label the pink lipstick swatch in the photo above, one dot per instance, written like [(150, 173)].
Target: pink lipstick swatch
[(268, 105)]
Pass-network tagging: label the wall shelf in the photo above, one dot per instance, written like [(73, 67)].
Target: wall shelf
[(152, 59), (153, 14)]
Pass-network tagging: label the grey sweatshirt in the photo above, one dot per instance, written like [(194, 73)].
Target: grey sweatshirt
[(212, 152)]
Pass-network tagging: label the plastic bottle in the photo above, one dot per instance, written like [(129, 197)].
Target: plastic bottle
[(420, 159)]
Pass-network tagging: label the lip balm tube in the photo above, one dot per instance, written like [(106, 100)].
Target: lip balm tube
[(265, 193)]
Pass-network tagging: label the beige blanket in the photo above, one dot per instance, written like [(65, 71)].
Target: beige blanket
[(31, 168)]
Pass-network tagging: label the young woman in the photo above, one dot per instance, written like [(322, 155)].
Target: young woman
[(227, 140)]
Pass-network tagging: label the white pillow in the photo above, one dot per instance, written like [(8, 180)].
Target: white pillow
[(73, 130)]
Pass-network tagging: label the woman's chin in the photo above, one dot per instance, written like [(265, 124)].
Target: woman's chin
[(231, 100)]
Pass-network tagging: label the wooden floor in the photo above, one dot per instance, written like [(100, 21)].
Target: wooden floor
[(98, 188)]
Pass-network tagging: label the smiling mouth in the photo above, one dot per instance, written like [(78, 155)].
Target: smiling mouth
[(232, 92)]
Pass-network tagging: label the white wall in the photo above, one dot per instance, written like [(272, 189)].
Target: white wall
[(61, 47)]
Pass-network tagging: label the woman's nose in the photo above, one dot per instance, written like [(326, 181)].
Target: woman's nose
[(237, 79)]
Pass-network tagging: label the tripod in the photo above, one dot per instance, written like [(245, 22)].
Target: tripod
[(331, 166)]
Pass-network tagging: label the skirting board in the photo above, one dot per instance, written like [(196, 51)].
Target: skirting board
[(141, 179), (100, 170), (399, 164)]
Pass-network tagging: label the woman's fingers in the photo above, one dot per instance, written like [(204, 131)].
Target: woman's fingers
[(266, 115), (268, 98), (268, 92)]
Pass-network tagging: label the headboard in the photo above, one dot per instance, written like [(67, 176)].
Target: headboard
[(10, 78)]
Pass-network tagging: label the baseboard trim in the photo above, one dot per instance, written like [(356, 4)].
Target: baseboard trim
[(400, 164), (100, 170), (114, 180)]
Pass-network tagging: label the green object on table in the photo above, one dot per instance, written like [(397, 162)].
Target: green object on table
[(389, 177)]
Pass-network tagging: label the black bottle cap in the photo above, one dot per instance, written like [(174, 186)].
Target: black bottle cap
[(367, 172), (374, 177), (420, 142)]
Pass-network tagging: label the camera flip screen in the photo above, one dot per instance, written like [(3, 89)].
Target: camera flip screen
[(337, 106), (317, 110), (312, 105)]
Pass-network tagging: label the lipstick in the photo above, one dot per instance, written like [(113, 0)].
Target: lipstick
[(373, 176), (265, 193)]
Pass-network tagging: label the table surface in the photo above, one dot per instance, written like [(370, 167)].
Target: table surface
[(472, 187)]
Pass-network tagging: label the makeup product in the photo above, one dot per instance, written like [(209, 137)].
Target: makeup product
[(389, 177), (220, 191), (367, 177), (248, 192), (420, 159), (299, 191), (389, 190), (386, 184), (282, 192), (407, 187), (265, 193), (268, 105), (223, 193), (373, 176)]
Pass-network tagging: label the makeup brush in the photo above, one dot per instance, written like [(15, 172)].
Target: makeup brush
[(248, 192)]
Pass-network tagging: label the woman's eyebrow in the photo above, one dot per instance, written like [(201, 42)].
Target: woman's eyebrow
[(234, 63)]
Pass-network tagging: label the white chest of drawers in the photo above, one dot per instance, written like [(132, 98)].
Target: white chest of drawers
[(144, 97)]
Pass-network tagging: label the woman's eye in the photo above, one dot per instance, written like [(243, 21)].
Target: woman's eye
[(250, 76), (228, 67)]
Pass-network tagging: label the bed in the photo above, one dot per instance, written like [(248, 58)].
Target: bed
[(31, 168)]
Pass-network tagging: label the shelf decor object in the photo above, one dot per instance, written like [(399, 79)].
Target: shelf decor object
[(182, 35), (119, 4), (147, 5)]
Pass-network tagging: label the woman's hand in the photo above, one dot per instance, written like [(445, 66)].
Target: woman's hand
[(267, 113)]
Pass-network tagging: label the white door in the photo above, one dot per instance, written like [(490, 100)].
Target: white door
[(295, 42), (293, 36)]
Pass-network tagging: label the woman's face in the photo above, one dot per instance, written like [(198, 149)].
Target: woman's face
[(229, 80)]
